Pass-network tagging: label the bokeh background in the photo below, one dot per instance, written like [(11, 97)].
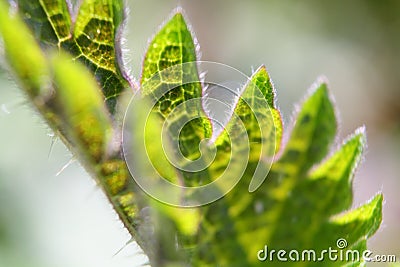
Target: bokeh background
[(64, 220)]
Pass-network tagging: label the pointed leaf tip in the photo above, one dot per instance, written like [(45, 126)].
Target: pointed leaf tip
[(262, 81), (178, 13), (334, 175), (313, 132), (363, 221), (173, 45)]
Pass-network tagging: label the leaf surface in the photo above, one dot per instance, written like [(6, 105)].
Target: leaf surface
[(82, 108), (23, 53), (94, 39), (296, 207), (170, 78), (303, 202), (303, 198)]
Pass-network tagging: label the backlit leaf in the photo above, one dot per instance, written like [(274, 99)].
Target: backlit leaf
[(94, 39)]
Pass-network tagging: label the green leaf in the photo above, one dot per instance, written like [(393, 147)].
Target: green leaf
[(24, 55), (336, 173), (30, 65), (87, 123), (173, 45), (263, 83), (96, 35), (293, 208), (256, 109), (49, 20), (169, 82), (70, 100), (360, 223), (303, 202), (162, 70), (313, 132), (95, 39), (82, 108)]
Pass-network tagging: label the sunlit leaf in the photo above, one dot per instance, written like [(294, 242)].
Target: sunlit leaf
[(94, 39), (23, 53), (97, 37), (300, 203), (170, 82), (82, 107), (293, 208), (49, 20)]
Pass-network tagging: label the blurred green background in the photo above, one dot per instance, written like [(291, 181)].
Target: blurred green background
[(65, 221)]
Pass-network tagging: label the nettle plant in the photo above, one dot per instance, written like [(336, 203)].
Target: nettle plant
[(68, 60)]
